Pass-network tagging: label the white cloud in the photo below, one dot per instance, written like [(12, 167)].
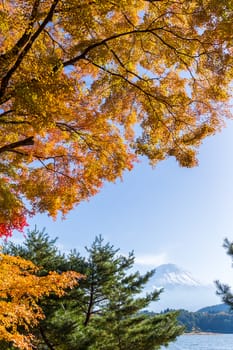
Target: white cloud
[(151, 259)]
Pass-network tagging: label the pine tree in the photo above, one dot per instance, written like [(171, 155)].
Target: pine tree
[(112, 296), (40, 249), (224, 290)]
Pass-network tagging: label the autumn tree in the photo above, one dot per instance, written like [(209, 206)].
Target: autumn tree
[(87, 86), (105, 309), (20, 291)]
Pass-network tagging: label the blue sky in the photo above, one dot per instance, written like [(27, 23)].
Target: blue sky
[(166, 214)]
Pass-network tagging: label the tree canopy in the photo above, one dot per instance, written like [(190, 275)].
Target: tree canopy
[(88, 86)]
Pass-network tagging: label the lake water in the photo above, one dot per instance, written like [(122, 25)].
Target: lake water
[(202, 342)]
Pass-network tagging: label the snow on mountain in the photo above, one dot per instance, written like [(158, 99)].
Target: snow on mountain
[(180, 289), (170, 275)]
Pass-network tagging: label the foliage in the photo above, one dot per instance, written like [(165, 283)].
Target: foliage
[(39, 248), (87, 86), (104, 312), (224, 290), (21, 289)]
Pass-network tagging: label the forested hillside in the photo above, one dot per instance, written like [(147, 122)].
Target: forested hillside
[(215, 319), (221, 322)]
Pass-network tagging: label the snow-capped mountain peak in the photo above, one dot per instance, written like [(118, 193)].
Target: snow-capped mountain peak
[(169, 275)]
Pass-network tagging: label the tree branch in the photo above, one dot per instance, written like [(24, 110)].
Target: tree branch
[(102, 42), (25, 142)]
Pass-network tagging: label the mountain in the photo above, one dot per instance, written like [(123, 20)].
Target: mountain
[(214, 309), (180, 289), (170, 276)]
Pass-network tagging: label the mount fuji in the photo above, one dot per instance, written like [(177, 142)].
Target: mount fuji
[(180, 289), (170, 275)]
